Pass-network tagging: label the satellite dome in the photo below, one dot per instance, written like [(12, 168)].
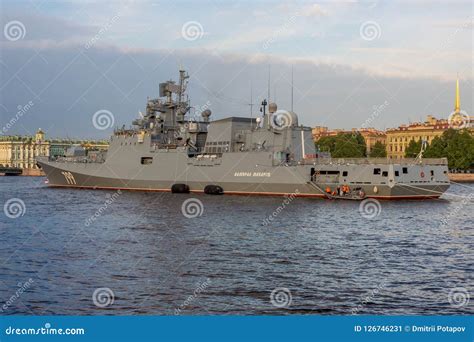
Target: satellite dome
[(272, 107), (206, 113)]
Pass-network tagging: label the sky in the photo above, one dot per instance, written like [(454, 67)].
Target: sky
[(355, 63)]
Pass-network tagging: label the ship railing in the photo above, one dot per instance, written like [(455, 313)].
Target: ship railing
[(378, 161), (77, 159)]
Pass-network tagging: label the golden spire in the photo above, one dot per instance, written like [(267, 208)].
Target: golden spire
[(457, 104)]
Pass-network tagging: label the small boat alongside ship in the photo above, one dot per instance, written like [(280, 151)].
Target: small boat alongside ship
[(169, 150)]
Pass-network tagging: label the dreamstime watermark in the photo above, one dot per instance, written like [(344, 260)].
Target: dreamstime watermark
[(459, 297), (192, 30), (14, 208), (370, 208), (281, 30), (108, 202), (21, 110), (281, 297), (22, 287), (103, 297), (367, 299), (103, 119), (459, 120), (200, 287), (288, 199), (370, 30), (14, 30), (376, 111), (105, 28), (192, 208), (457, 209), (46, 330), (199, 109), (281, 119)]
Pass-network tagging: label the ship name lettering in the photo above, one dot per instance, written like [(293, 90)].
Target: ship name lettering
[(252, 174)]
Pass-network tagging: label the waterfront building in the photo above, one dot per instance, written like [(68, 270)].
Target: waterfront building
[(399, 138), (21, 151)]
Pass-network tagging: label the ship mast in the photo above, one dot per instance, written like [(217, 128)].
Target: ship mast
[(182, 105), (292, 88)]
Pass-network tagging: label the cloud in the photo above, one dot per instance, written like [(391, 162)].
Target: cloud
[(337, 80), (46, 28), (69, 86), (314, 11)]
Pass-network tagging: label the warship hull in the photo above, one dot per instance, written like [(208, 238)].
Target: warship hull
[(235, 178)]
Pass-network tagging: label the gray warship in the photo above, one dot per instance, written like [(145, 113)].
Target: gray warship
[(168, 149)]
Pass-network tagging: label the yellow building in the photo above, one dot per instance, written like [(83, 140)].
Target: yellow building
[(370, 135), (17, 151), (399, 138)]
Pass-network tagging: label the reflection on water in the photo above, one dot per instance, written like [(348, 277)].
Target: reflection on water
[(227, 259)]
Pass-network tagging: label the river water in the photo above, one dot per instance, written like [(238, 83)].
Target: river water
[(70, 251)]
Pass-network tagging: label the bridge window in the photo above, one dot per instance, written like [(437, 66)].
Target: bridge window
[(329, 172), (146, 160), (405, 170), (377, 171), (385, 174), (344, 173), (396, 173)]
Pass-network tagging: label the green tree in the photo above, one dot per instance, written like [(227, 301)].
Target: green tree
[(326, 144), (456, 145), (460, 150), (437, 148), (349, 145), (343, 145), (413, 148), (378, 150)]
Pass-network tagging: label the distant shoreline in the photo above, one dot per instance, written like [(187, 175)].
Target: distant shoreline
[(461, 177)]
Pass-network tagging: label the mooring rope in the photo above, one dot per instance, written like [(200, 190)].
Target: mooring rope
[(437, 192)]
